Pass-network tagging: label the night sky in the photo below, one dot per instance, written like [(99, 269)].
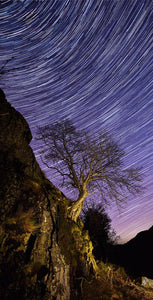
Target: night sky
[(90, 61)]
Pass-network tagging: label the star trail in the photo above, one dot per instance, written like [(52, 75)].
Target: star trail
[(90, 61)]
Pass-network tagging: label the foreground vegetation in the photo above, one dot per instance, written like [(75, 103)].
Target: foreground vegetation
[(96, 279), (112, 282)]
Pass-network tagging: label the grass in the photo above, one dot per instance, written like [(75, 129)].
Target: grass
[(23, 221), (112, 283)]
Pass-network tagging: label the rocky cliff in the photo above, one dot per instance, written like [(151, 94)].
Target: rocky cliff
[(43, 254)]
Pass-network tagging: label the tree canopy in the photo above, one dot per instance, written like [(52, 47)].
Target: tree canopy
[(89, 163)]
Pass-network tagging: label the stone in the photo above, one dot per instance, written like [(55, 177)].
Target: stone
[(147, 282)]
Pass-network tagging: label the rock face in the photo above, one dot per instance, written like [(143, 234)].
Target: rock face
[(42, 252)]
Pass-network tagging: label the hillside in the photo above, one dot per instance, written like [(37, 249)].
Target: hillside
[(136, 255), (43, 253)]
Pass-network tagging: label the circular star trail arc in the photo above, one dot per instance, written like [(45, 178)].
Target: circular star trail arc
[(90, 61)]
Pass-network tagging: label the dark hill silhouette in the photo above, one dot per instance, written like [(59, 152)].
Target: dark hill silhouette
[(136, 256)]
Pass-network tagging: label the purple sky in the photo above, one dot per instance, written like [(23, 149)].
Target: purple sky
[(90, 61)]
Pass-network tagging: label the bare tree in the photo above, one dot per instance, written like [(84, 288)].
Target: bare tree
[(90, 164), (4, 69)]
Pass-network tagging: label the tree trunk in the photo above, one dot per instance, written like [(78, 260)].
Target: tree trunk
[(77, 206)]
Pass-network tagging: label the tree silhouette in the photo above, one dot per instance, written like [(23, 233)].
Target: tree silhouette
[(98, 224), (90, 164)]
